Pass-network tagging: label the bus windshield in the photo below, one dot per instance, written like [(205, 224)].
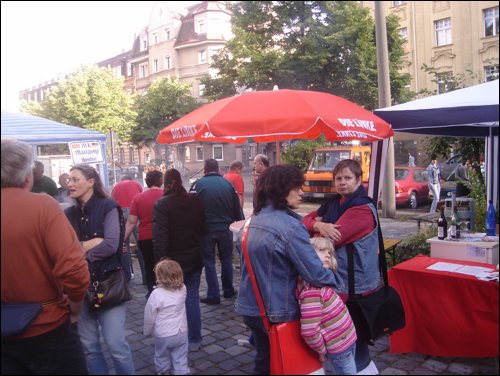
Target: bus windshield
[(327, 160)]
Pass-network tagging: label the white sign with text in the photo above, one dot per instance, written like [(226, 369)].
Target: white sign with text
[(86, 152)]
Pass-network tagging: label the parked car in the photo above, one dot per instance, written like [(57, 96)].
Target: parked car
[(449, 167), (411, 186)]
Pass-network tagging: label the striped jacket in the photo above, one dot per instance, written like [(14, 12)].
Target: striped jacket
[(326, 325)]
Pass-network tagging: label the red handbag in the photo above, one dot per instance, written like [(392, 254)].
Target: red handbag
[(290, 355)]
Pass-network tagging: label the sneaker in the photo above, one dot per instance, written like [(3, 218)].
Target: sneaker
[(210, 301), (228, 295)]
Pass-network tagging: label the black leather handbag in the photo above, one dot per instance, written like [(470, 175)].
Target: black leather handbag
[(109, 292)]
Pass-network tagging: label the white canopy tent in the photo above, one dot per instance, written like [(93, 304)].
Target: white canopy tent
[(469, 112)]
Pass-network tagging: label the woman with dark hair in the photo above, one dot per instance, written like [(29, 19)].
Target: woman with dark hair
[(280, 251), (97, 220), (178, 224), (351, 218), (141, 210)]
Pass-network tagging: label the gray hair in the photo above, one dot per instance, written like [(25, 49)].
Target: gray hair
[(17, 163), (263, 158)]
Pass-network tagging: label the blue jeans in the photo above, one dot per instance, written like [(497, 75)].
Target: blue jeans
[(362, 356), (261, 342), (436, 191), (193, 313), (112, 324), (224, 242), (343, 363), (58, 352)]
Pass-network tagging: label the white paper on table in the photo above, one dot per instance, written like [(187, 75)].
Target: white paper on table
[(488, 276), (444, 266), (473, 270)]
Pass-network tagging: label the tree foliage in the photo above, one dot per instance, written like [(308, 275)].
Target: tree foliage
[(326, 46), (165, 101), (301, 152), (90, 98)]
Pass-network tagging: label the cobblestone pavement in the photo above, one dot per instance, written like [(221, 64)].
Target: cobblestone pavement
[(222, 328), (221, 353)]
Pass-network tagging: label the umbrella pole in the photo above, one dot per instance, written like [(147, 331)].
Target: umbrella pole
[(278, 157)]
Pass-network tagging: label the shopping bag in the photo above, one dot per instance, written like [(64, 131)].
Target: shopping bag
[(290, 355)]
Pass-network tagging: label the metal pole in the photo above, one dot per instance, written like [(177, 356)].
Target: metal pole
[(384, 89), (112, 157)]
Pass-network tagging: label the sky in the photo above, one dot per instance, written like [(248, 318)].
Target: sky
[(41, 39)]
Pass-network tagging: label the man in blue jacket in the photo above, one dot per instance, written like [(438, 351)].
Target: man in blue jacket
[(222, 207)]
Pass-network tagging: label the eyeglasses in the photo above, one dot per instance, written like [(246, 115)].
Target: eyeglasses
[(72, 180)]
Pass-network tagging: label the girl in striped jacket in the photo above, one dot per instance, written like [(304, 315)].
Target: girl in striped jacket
[(326, 325)]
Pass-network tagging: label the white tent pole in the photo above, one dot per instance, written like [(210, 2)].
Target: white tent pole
[(490, 159)]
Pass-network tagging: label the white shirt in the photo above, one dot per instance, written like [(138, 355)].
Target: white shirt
[(165, 312)]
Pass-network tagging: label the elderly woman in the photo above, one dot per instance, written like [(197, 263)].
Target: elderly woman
[(351, 218), (280, 251)]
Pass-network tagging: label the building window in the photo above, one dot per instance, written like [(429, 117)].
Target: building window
[(167, 34), (188, 154), (491, 73), (199, 153), (156, 65), (168, 62), (490, 19), (131, 155), (403, 33), (398, 3), (129, 69), (217, 152), (213, 52), (201, 90), (144, 43), (443, 31), (155, 38), (442, 82), (202, 57), (143, 70), (201, 27)]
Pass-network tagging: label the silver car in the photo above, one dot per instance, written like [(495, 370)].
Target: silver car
[(449, 167)]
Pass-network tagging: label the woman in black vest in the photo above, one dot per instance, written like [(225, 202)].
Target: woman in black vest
[(98, 223)]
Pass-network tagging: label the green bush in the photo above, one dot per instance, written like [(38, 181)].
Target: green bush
[(478, 193), (414, 245)]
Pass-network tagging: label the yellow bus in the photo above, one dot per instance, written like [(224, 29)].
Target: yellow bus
[(319, 175)]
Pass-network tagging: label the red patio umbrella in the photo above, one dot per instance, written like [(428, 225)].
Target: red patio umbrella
[(277, 115)]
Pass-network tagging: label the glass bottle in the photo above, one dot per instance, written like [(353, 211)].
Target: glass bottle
[(454, 224), (442, 225), (491, 220)]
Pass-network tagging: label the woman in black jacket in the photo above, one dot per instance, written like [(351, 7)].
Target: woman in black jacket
[(178, 224)]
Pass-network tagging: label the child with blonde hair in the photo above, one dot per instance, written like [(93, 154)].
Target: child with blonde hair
[(326, 325), (165, 318)]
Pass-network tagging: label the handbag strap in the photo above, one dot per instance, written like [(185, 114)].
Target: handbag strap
[(258, 296), (382, 262)]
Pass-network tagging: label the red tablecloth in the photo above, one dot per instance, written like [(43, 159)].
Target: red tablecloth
[(447, 314)]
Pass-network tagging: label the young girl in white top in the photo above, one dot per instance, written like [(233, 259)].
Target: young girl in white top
[(165, 318)]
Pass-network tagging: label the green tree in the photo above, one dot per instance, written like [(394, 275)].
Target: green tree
[(164, 102), (325, 46), (301, 152), (90, 98)]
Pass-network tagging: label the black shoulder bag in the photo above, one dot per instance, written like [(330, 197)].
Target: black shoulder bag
[(379, 313)]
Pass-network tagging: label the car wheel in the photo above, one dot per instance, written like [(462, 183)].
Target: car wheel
[(412, 201)]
